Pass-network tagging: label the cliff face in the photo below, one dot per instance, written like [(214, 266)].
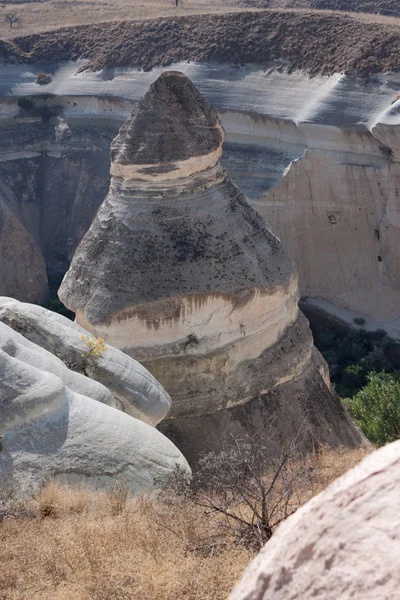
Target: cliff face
[(50, 189), (343, 219), (178, 270)]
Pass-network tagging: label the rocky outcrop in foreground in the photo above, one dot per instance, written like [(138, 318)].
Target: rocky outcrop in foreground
[(133, 389), (344, 543), (179, 271), (58, 423)]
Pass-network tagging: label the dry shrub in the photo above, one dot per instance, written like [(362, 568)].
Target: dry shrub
[(49, 500), (154, 547), (78, 499), (138, 554), (43, 78), (119, 496), (11, 505), (57, 499), (330, 464)]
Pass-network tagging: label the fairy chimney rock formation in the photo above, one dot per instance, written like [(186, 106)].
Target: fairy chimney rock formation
[(175, 133), (179, 271)]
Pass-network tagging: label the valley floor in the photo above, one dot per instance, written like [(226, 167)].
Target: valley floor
[(392, 328)]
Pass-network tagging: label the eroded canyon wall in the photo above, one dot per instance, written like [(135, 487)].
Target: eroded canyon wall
[(317, 158), (339, 210), (52, 179)]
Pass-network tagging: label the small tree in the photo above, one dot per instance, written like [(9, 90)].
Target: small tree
[(376, 408), (11, 18), (252, 484)]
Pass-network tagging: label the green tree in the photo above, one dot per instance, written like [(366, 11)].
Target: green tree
[(376, 408)]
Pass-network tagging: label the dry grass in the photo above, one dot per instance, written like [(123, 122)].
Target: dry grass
[(81, 545)]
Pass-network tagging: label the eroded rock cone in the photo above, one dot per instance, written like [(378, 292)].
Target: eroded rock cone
[(180, 272)]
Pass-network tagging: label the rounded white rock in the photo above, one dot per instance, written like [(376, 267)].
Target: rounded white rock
[(135, 390), (49, 431)]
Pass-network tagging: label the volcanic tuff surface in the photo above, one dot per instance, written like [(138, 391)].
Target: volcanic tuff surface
[(179, 271), (56, 422), (317, 157), (131, 387)]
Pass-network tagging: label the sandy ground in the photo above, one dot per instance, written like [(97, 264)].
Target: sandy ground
[(347, 315)]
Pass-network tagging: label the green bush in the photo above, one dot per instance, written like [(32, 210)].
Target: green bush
[(376, 408), (350, 352)]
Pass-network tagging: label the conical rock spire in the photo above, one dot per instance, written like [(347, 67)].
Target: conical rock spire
[(174, 132), (180, 272)]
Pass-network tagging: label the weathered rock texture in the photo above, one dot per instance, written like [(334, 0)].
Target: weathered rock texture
[(57, 423), (341, 215), (50, 189), (181, 272), (128, 384), (336, 210), (344, 543)]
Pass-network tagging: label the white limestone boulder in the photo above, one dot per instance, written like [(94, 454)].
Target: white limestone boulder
[(26, 351), (134, 389), (50, 431), (344, 544)]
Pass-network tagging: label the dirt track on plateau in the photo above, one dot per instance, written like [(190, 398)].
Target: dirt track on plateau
[(313, 41), (380, 7)]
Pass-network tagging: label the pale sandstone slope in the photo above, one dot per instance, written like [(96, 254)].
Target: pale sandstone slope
[(181, 272)]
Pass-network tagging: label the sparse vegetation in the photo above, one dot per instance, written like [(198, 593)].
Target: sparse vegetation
[(359, 321), (12, 18), (352, 353), (119, 497), (191, 340), (43, 78), (57, 306), (38, 106), (95, 348), (73, 545), (253, 493), (26, 102), (315, 42)]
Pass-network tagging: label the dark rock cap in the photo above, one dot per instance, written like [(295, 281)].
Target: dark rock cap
[(173, 122)]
